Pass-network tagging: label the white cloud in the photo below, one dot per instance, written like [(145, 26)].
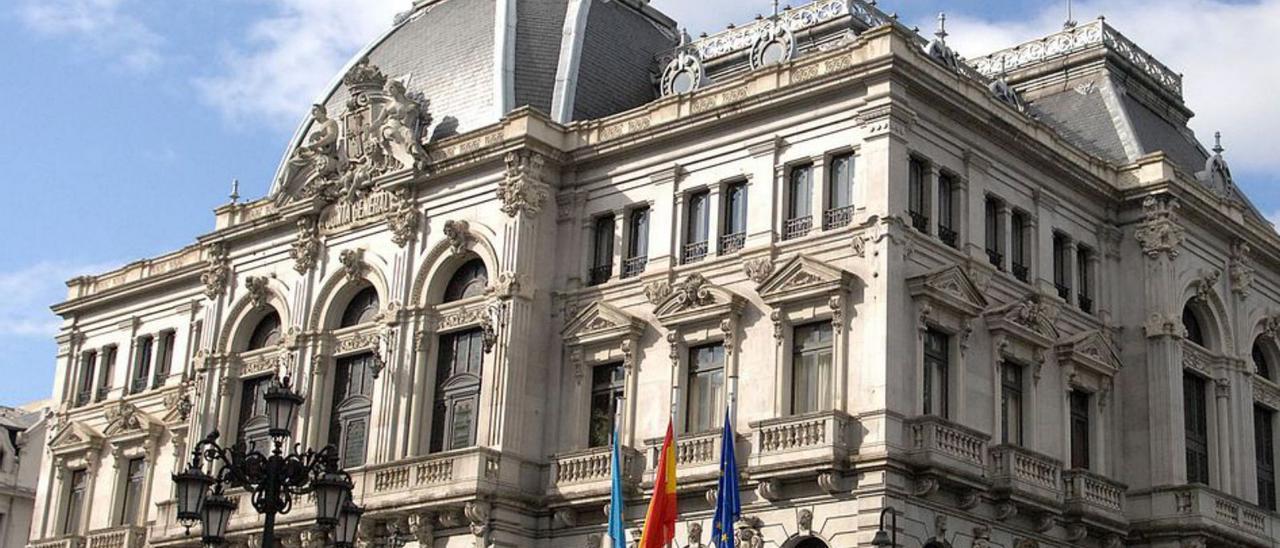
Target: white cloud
[(103, 26), (1223, 49), (292, 55), (30, 290)]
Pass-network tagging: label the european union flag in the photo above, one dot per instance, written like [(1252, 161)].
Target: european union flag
[(728, 506), (617, 531)]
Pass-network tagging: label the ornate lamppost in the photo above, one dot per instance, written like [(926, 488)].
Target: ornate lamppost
[(272, 480)]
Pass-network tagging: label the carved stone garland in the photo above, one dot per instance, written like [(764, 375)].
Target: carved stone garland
[(1159, 234), (305, 251), (404, 220), (217, 275), (1241, 269)]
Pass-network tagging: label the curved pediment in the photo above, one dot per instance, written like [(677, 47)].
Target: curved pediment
[(1092, 349), (695, 299), (803, 277), (949, 287), (601, 321)]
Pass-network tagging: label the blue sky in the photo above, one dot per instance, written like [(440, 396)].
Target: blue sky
[(127, 119)]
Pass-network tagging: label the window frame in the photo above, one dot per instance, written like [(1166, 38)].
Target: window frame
[(1197, 459), (1265, 456), (941, 362), (603, 235), (615, 388), (825, 400), (1013, 407), (76, 493), (696, 377), (1080, 429), (132, 507)]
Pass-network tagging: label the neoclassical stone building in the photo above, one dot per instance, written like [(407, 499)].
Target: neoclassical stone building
[(1012, 297)]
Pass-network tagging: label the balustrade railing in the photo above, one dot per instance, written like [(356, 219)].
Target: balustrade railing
[(634, 266), (732, 243), (796, 228), (837, 217), (937, 435), (694, 252), (119, 537), (1087, 489), (1025, 472)]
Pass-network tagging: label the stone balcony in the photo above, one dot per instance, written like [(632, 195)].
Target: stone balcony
[(588, 474), (801, 443), (1026, 477), (118, 537), (1094, 498), (954, 452), (1199, 510), (697, 457), (66, 541)]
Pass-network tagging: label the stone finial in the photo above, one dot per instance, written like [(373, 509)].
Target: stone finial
[(235, 191), (941, 33), (1217, 143)]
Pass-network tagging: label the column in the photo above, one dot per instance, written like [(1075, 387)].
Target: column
[(1222, 391), (620, 230), (930, 197), (1072, 278)]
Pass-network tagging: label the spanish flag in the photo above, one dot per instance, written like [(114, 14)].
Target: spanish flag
[(660, 521)]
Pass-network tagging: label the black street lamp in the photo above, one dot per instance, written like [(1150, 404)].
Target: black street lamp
[(887, 538), (272, 480)]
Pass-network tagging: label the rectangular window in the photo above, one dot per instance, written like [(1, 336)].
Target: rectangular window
[(733, 233), (88, 365), (607, 382), (1196, 420), (253, 406), (164, 360), (1084, 256), (811, 356), (1011, 403), (706, 387), (350, 409), (74, 508), (638, 245), (994, 234), (937, 373), (135, 474), (1061, 264), (1079, 402), (799, 203), (1264, 436), (457, 391), (1021, 245), (107, 376), (697, 226), (602, 250), (917, 206), (142, 364), (947, 209), (839, 192)]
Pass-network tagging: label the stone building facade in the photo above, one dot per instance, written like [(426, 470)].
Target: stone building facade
[(1012, 297), (22, 435)]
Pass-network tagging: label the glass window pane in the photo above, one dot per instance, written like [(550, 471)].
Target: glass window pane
[(841, 181), (604, 241), (800, 194), (936, 373), (639, 233), (706, 387), (699, 217), (811, 368), (470, 280)]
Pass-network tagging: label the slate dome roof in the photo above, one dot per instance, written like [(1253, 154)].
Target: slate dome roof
[(476, 60)]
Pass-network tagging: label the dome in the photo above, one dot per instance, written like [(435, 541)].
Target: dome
[(464, 64)]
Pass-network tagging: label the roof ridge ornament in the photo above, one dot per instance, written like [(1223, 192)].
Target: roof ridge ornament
[(1217, 143), (941, 33), (1070, 23)]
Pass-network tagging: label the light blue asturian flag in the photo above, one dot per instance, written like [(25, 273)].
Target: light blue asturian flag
[(617, 532), (728, 505)]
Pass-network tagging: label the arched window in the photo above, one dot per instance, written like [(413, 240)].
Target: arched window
[(468, 281), (363, 308), (266, 333), (1261, 365), (811, 542), (1191, 322)]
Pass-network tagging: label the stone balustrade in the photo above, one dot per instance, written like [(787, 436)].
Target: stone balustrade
[(118, 537), (1025, 474), (939, 443), (589, 473), (697, 455), (1199, 507), (67, 541), (816, 440), (1094, 495)]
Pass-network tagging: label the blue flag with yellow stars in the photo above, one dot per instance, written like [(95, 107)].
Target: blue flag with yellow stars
[(728, 505)]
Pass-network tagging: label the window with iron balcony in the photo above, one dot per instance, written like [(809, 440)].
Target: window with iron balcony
[(602, 250), (1018, 254), (142, 364), (697, 226), (840, 182), (947, 209), (107, 374), (1061, 263), (917, 189), (84, 390), (799, 219), (638, 245), (994, 235), (164, 359), (734, 229), (1084, 260)]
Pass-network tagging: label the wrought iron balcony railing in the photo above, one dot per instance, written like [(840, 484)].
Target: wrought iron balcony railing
[(996, 259), (634, 266), (600, 274), (1021, 272), (694, 252), (919, 221), (837, 217), (948, 235), (796, 228), (732, 243)]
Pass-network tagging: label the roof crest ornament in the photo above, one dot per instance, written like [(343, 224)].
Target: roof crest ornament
[(1070, 23)]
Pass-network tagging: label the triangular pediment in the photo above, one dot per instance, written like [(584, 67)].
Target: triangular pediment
[(800, 277), (75, 435), (949, 286), (695, 298), (1092, 347), (600, 320)]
